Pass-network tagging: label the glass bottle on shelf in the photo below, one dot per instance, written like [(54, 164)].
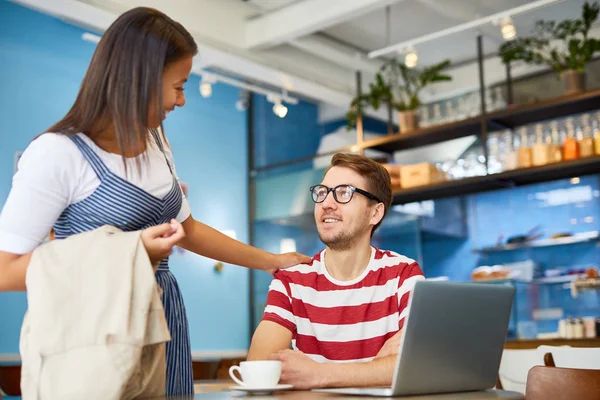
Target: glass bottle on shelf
[(586, 141), (524, 150), (511, 153), (540, 149), (556, 150), (437, 115), (462, 108), (549, 145), (458, 170), (489, 101), (596, 132), (450, 112), (474, 104), (570, 145), (494, 157), (502, 150), (424, 114), (499, 100)]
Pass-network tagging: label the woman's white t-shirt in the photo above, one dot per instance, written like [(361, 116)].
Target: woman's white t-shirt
[(53, 174)]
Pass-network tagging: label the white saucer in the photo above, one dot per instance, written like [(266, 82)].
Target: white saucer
[(261, 389)]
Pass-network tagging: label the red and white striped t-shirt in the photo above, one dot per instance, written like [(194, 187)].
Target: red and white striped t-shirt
[(343, 321)]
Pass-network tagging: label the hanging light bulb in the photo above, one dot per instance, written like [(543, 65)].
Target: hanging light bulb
[(507, 28), (411, 58), (279, 109), (205, 88)]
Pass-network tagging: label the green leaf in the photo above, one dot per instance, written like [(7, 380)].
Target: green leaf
[(537, 48)]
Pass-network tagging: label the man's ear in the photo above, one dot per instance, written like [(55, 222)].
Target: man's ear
[(377, 214)]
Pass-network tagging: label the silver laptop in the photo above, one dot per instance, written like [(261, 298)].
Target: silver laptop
[(453, 342)]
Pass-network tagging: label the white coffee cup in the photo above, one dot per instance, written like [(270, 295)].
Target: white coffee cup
[(257, 374)]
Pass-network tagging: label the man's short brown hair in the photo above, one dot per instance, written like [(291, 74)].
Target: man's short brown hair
[(378, 179)]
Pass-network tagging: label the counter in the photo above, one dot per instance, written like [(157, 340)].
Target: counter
[(534, 343)]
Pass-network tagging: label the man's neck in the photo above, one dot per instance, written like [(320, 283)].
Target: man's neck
[(346, 265)]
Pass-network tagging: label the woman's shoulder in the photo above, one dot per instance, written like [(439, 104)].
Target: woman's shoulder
[(52, 142), (52, 149)]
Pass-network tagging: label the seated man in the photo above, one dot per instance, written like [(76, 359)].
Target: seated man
[(343, 314)]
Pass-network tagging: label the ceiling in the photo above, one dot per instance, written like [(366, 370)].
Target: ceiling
[(312, 48)]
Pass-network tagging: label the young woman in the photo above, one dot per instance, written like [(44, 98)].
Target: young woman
[(107, 163)]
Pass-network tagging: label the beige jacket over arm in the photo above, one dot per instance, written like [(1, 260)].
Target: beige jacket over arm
[(95, 326)]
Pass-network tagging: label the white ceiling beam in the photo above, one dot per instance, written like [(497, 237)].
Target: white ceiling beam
[(252, 66), (78, 12), (399, 47), (344, 57), (460, 12), (269, 5), (210, 20), (303, 18)]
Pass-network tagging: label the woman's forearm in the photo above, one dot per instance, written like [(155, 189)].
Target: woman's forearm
[(209, 242), (13, 269)]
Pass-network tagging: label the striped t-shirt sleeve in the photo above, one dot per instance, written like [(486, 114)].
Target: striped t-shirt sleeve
[(279, 304), (408, 278)]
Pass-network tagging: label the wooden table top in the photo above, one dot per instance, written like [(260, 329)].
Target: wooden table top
[(220, 390)]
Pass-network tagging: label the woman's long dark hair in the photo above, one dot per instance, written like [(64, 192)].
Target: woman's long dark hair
[(124, 78)]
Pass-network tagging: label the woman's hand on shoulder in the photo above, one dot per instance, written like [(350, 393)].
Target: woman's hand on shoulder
[(287, 260)]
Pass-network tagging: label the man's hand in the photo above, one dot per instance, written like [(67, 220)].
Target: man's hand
[(299, 370), (390, 347)]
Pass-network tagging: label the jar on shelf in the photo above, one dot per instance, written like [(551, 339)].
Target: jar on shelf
[(585, 137), (540, 149), (524, 149), (570, 145)]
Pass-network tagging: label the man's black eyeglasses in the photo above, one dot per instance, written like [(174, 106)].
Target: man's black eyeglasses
[(341, 193)]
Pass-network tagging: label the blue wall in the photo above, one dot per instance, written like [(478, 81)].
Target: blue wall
[(43, 61), (512, 212), (285, 139), (298, 135), (552, 206)]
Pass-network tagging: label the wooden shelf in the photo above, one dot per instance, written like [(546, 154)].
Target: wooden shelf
[(554, 108), (556, 280), (577, 238), (511, 117), (426, 136), (519, 177)]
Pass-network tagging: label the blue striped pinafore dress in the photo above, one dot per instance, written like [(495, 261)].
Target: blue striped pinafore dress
[(126, 206)]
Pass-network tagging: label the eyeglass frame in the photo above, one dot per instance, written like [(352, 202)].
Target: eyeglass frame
[(333, 189)]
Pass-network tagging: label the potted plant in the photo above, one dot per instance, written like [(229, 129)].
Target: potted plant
[(566, 47), (399, 86)]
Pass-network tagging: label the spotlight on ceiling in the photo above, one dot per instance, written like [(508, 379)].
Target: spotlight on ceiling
[(507, 28), (279, 109), (411, 58)]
